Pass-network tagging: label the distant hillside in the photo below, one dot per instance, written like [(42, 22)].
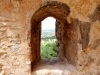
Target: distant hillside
[(47, 33), (50, 30)]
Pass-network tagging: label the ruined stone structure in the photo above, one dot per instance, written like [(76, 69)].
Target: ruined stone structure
[(77, 32)]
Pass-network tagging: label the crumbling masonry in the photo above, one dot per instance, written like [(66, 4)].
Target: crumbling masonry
[(77, 32)]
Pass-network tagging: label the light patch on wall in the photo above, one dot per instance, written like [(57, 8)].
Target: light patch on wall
[(9, 33), (94, 32)]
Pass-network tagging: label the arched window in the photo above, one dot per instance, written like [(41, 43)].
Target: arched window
[(66, 33), (48, 38)]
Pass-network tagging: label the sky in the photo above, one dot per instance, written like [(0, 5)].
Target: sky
[(48, 23)]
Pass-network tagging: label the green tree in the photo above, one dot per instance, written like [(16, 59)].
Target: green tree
[(48, 47)]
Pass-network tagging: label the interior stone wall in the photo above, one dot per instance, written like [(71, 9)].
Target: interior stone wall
[(60, 44), (15, 31), (67, 46), (14, 36)]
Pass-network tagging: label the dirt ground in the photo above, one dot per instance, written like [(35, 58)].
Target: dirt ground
[(54, 66)]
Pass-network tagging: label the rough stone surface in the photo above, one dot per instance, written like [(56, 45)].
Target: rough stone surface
[(78, 41)]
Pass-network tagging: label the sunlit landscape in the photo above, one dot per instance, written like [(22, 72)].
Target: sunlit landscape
[(48, 39)]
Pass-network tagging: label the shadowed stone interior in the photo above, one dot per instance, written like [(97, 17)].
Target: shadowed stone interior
[(66, 33)]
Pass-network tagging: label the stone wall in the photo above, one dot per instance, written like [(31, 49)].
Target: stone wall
[(15, 35)]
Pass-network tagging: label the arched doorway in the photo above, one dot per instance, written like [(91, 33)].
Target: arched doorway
[(64, 31)]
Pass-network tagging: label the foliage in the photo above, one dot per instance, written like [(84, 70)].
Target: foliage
[(48, 47)]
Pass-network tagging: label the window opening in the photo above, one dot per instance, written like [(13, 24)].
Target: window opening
[(48, 38)]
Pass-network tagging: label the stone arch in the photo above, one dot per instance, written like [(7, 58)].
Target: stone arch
[(59, 11)]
